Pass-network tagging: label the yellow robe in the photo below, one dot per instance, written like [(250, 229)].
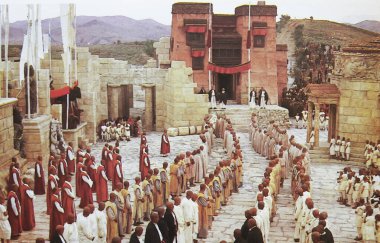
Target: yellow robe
[(164, 185), (112, 229), (202, 216), (174, 183), (137, 212), (127, 215), (148, 205)]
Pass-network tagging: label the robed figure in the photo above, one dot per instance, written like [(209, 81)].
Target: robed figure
[(212, 98), (263, 97), (32, 89), (57, 213), (223, 99), (145, 164), (14, 212), (102, 188), (165, 144), (252, 98), (39, 177), (27, 207)]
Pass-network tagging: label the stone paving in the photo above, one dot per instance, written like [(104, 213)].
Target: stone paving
[(341, 219)]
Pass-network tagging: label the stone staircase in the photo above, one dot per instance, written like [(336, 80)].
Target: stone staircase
[(321, 155), (240, 118)]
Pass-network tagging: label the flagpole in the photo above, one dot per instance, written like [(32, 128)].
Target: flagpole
[(36, 51), (49, 51), (75, 44), (6, 45), (249, 51), (28, 58), (209, 48)]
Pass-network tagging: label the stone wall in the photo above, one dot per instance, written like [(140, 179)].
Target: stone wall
[(163, 52), (358, 78)]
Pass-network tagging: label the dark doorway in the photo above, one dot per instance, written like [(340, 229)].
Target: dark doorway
[(226, 81)]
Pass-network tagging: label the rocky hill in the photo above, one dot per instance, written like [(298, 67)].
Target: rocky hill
[(93, 30), (371, 25)]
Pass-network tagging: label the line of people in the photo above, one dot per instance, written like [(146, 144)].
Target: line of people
[(361, 191), (372, 154), (340, 149)]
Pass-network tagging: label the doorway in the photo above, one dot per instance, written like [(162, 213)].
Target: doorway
[(227, 82)]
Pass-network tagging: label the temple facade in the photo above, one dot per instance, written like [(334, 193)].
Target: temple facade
[(237, 52)]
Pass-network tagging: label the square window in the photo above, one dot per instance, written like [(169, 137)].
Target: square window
[(197, 63), (259, 41)]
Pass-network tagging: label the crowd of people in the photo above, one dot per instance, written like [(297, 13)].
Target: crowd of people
[(286, 157), (372, 154), (361, 191), (340, 148), (120, 129), (156, 193), (300, 120)]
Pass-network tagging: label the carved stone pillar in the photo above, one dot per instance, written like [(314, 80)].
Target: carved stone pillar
[(316, 125), (309, 120)]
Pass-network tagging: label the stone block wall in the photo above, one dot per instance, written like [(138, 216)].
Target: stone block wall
[(358, 79), (163, 52), (43, 92)]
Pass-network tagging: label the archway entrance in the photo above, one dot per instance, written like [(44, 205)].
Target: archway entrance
[(228, 82)]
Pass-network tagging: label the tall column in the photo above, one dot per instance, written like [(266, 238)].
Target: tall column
[(148, 114), (316, 125), (309, 120)]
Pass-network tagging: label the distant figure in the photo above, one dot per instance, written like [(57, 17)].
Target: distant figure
[(263, 97), (212, 97), (252, 98), (165, 144), (202, 91), (223, 99)]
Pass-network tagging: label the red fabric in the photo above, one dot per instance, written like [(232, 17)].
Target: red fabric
[(144, 169), (39, 182), (78, 180), (116, 179), (67, 201), (56, 217), (56, 93), (142, 148), (27, 209), (86, 192), (196, 28), (197, 53), (229, 70), (78, 155), (259, 32), (14, 221), (92, 174), (110, 165), (70, 163), (62, 174), (165, 147), (209, 38), (50, 193), (249, 40), (11, 181), (101, 188)]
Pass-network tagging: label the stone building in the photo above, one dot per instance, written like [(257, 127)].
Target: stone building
[(353, 95), (198, 32)]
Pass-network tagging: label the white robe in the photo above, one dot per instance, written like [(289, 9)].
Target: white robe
[(84, 229), (187, 208), (213, 99), (101, 221), (94, 225), (70, 232), (195, 220), (264, 214), (181, 224)]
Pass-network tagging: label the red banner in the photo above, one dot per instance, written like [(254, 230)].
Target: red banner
[(209, 38), (249, 40), (229, 70), (196, 28), (56, 93), (259, 32), (197, 53)]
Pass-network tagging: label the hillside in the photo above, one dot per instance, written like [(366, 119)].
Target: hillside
[(93, 30), (371, 25), (323, 31)]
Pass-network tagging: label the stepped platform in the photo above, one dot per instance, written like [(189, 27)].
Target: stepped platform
[(240, 115), (321, 155)]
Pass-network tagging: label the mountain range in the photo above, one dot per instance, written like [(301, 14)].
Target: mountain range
[(371, 25), (93, 30)]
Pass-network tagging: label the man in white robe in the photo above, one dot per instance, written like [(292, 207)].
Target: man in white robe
[(180, 219), (101, 222), (84, 227), (195, 215), (93, 223), (263, 212), (70, 232), (187, 208)]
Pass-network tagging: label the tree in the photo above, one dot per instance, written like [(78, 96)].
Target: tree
[(284, 19), (148, 48)]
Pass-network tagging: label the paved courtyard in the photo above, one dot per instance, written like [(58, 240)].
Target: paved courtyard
[(341, 219)]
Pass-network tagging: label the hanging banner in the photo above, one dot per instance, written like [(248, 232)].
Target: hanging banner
[(195, 29), (229, 70), (249, 40), (259, 32), (197, 53)]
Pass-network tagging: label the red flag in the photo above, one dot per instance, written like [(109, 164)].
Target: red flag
[(249, 40)]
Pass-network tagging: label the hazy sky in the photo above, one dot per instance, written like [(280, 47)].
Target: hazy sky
[(347, 11)]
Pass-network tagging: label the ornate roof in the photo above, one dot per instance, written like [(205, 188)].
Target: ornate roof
[(323, 93)]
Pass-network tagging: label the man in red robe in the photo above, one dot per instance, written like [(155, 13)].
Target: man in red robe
[(51, 186), (80, 152), (15, 178), (11, 166), (104, 155), (68, 196), (86, 192), (109, 163), (78, 180), (62, 169), (87, 156), (145, 165), (165, 144), (101, 187), (91, 170), (27, 206), (70, 158), (57, 213), (39, 177), (118, 173), (14, 211)]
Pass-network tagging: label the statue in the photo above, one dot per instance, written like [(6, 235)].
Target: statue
[(33, 89), (57, 142)]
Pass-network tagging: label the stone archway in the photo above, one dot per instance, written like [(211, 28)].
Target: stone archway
[(319, 94)]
